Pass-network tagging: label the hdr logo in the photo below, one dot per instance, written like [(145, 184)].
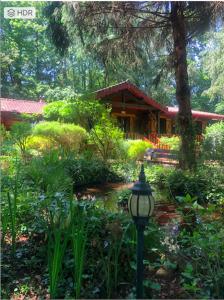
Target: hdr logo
[(19, 12)]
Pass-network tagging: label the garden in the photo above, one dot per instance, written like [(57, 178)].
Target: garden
[(68, 166), (60, 239)]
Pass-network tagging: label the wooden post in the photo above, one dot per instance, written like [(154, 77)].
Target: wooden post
[(158, 122), (169, 126)]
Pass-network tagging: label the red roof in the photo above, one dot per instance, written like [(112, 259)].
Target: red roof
[(21, 106), (126, 85), (172, 111)]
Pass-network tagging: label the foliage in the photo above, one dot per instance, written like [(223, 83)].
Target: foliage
[(213, 143), (87, 170), (41, 172), (68, 136), (10, 192), (79, 241), (57, 242), (137, 149), (106, 137), (40, 143), (206, 183), (212, 63), (203, 252), (58, 93), (20, 132), (173, 142), (3, 133), (81, 111)]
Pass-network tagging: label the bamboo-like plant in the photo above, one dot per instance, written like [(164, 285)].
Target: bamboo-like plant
[(58, 236), (57, 242)]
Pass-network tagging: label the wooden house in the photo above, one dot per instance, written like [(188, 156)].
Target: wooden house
[(141, 116)]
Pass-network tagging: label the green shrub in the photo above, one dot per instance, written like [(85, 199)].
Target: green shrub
[(88, 171), (51, 110), (40, 143), (206, 183), (83, 112), (3, 134), (203, 254), (67, 136), (173, 142), (48, 172), (20, 132), (106, 137), (213, 144), (137, 149)]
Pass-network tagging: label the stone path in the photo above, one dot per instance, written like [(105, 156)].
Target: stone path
[(166, 213)]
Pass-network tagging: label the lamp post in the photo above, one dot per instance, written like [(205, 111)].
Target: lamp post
[(141, 206)]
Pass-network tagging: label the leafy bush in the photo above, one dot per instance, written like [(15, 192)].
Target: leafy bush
[(20, 132), (88, 171), (106, 137), (213, 144), (83, 112), (3, 133), (51, 110), (67, 136), (202, 276), (158, 174), (206, 183), (137, 149), (48, 172), (40, 143), (173, 142)]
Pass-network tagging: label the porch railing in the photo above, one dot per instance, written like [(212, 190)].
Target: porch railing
[(155, 139)]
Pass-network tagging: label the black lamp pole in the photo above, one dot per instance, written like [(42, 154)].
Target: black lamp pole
[(140, 226), (140, 192)]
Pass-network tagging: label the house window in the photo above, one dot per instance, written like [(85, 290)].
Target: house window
[(162, 123), (124, 123)]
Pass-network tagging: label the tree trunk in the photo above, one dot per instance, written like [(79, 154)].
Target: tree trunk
[(185, 125)]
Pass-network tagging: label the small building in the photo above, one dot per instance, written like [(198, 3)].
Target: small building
[(139, 115), (13, 109)]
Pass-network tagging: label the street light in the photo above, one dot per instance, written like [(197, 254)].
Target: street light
[(141, 206)]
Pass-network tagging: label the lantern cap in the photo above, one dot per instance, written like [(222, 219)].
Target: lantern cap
[(141, 186)]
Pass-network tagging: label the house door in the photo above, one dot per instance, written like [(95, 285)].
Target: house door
[(124, 123)]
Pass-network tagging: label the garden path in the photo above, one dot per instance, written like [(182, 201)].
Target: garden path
[(165, 212)]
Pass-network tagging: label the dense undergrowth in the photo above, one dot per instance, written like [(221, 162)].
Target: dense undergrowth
[(58, 243)]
